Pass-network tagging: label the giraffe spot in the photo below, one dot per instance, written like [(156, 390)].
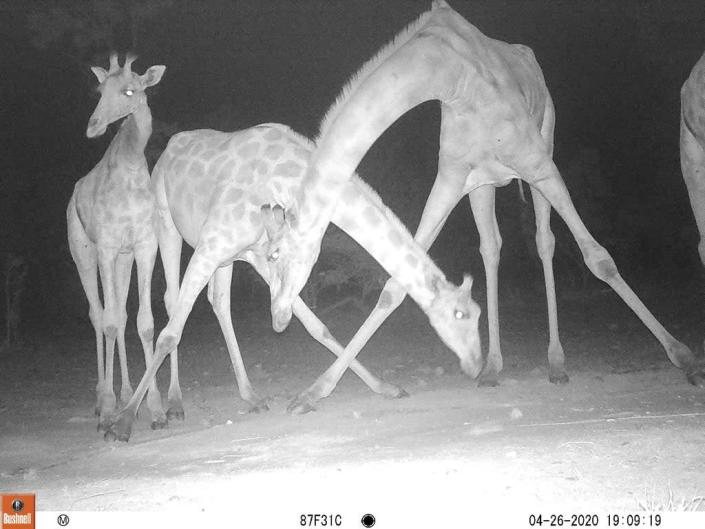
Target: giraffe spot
[(245, 175), (233, 195), (327, 335), (302, 154), (370, 215), (209, 154), (260, 167), (256, 200), (273, 152), (288, 168), (197, 148), (384, 301), (215, 164), (196, 169), (255, 218), (179, 166), (248, 150), (238, 211), (273, 134), (227, 169), (411, 260), (395, 237)]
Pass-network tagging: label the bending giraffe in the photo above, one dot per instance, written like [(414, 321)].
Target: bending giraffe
[(692, 145), (215, 189), (497, 121), (110, 220)]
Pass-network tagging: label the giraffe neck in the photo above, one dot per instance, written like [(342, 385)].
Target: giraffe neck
[(134, 134), (362, 215), (398, 79)]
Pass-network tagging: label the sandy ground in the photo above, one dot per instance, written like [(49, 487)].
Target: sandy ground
[(626, 433)]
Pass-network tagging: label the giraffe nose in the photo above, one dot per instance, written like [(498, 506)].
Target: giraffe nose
[(94, 128)]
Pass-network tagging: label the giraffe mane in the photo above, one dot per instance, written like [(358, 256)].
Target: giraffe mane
[(371, 65)]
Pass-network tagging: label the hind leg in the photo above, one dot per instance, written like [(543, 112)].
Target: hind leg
[(85, 256)]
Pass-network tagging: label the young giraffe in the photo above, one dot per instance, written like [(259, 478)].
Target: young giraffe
[(692, 145), (110, 223), (214, 190), (497, 121)]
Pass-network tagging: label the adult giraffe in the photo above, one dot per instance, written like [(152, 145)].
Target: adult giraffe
[(214, 190), (497, 121), (110, 220)]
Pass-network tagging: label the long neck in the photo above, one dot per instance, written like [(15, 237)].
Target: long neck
[(362, 215), (134, 134), (402, 81)]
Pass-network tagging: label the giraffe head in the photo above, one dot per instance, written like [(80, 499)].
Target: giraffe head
[(291, 257), (454, 315), (121, 92)]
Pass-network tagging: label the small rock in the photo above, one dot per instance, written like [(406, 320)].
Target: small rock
[(515, 414), (228, 422), (356, 414), (439, 371)]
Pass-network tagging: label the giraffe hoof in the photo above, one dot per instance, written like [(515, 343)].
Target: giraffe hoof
[(487, 379), (159, 424), (259, 406), (696, 375), (558, 377), (175, 413), (119, 430), (300, 405)]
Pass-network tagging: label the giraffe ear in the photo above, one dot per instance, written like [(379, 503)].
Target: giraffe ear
[(100, 73), (152, 76)]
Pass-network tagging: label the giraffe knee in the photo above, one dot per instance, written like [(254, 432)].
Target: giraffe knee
[(545, 244), (601, 264), (110, 331), (147, 334)]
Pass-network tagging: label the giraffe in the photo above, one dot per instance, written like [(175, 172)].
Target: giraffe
[(110, 221), (497, 121), (223, 194), (692, 145)]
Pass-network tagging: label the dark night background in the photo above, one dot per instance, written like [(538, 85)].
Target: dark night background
[(614, 70)]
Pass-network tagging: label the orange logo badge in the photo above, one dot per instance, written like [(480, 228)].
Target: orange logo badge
[(18, 511)]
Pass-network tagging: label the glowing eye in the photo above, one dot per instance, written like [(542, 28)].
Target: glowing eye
[(274, 255), (459, 315), (129, 92)]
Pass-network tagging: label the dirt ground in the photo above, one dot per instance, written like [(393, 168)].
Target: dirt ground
[(626, 433)]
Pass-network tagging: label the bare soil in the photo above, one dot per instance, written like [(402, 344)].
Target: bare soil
[(625, 433)]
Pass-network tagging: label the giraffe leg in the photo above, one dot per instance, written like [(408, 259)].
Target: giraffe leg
[(145, 255), (601, 264), (219, 296), (322, 335), (170, 243), (693, 168), (482, 202), (123, 269), (442, 199), (199, 270), (545, 244), (85, 256), (107, 258)]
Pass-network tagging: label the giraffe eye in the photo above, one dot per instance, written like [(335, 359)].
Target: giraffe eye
[(274, 255), (460, 315), (129, 92)]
